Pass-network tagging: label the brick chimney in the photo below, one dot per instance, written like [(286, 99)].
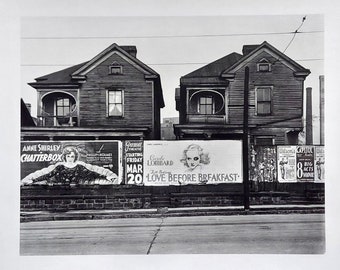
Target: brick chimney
[(132, 50), (248, 49), (309, 117)]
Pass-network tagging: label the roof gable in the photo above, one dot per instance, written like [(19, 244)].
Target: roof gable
[(108, 52), (265, 46)]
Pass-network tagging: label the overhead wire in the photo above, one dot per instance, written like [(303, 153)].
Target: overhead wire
[(184, 36), (153, 64), (288, 45), (175, 36)]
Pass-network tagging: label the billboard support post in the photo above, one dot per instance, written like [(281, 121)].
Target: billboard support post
[(245, 143)]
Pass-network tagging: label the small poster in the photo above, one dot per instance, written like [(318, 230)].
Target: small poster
[(319, 162), (133, 153), (305, 163), (263, 164), (286, 161)]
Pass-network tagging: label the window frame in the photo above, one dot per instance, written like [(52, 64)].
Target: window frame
[(212, 104), (64, 114), (63, 106), (108, 103), (264, 101), (264, 62), (119, 67)]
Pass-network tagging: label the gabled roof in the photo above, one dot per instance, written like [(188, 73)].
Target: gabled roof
[(214, 69), (229, 64), (269, 48), (114, 48), (71, 75)]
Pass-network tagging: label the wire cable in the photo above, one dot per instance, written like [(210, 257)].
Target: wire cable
[(178, 36)]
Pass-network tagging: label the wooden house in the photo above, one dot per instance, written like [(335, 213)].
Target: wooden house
[(210, 100), (112, 96)]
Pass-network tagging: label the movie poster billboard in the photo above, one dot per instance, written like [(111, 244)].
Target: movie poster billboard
[(71, 162), (286, 161), (133, 154), (305, 163), (192, 162), (319, 164)]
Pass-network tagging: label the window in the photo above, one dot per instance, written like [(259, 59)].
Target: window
[(63, 110), (264, 66), (115, 103), (116, 69), (206, 105), (263, 100)]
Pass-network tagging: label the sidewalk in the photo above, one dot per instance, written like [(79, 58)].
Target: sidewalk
[(169, 212)]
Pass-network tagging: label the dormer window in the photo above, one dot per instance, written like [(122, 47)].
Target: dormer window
[(115, 69), (264, 66)]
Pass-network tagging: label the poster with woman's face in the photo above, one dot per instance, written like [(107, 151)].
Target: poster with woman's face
[(71, 162), (192, 162)]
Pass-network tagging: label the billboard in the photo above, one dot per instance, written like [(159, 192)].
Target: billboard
[(192, 162), (71, 162)]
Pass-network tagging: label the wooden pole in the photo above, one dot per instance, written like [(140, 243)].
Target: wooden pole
[(245, 143)]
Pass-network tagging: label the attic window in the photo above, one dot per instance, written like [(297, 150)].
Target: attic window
[(263, 66), (115, 69)]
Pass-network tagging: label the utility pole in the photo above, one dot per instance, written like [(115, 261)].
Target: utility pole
[(245, 144)]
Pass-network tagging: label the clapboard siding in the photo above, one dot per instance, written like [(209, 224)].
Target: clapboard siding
[(286, 95), (138, 96)]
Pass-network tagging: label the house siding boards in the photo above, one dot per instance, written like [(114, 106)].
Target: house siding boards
[(88, 83), (285, 79), (138, 96)]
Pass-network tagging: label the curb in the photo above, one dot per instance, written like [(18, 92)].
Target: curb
[(170, 212)]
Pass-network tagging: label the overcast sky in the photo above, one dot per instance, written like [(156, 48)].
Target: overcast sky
[(172, 46)]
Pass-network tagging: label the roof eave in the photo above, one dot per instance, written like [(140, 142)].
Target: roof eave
[(53, 85), (302, 73)]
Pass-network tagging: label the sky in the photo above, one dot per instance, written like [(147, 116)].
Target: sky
[(172, 45)]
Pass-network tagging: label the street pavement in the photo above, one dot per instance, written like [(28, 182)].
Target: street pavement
[(244, 234)]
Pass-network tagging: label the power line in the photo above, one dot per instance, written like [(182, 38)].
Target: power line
[(177, 36), (152, 64), (290, 42), (295, 32)]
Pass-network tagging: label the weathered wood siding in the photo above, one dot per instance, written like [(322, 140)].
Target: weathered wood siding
[(287, 94), (138, 96)]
